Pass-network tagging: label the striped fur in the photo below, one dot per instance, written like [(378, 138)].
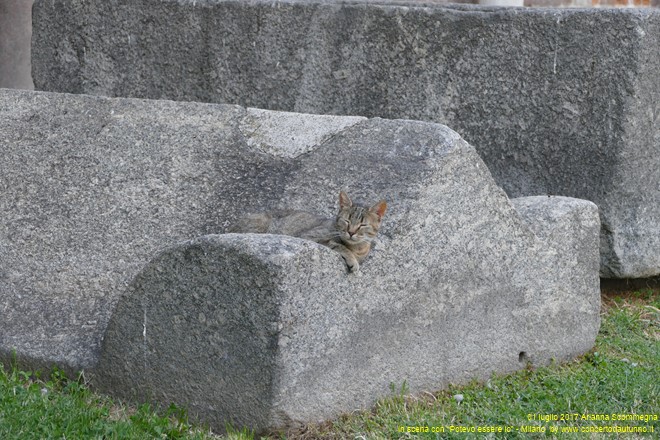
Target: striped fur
[(351, 233)]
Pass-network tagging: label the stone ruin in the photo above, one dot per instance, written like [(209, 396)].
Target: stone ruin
[(113, 253), (114, 261), (556, 101)]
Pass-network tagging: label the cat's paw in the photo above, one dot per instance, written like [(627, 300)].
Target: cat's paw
[(352, 265)]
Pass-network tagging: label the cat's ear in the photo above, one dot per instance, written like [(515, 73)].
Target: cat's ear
[(344, 200), (379, 208)]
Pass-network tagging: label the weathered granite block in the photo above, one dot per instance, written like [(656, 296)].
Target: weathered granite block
[(268, 330), (112, 204), (568, 224), (556, 101)]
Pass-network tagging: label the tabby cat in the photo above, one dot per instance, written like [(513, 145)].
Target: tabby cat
[(351, 233)]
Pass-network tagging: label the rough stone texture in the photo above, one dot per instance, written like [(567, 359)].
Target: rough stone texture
[(15, 33), (567, 223), (91, 188), (113, 202), (561, 102)]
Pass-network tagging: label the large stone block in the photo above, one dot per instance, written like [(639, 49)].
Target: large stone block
[(559, 102), (111, 262)]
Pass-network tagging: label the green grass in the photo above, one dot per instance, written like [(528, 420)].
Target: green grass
[(621, 375), (60, 408)]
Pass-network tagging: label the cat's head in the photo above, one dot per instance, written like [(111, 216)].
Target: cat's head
[(358, 224)]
